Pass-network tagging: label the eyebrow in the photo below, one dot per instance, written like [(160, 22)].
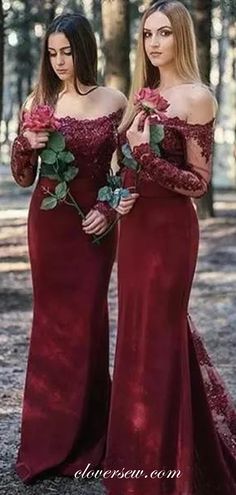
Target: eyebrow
[(63, 48), (159, 29)]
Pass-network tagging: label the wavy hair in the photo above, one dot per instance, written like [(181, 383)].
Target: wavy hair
[(185, 56)]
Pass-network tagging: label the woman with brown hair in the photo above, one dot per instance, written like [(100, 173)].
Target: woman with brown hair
[(172, 426), (67, 388)]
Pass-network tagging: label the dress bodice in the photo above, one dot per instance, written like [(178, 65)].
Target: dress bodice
[(92, 142)]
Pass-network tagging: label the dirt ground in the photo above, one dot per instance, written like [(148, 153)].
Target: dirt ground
[(212, 307)]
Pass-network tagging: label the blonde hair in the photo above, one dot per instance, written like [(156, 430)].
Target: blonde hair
[(145, 74)]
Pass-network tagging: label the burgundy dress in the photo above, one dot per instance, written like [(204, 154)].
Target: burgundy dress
[(67, 388), (169, 408)]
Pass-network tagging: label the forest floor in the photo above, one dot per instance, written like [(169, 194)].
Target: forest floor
[(212, 307)]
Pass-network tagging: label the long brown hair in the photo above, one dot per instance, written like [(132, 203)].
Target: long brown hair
[(145, 74), (79, 33)]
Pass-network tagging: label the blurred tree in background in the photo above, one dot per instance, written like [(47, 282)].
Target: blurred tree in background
[(115, 23), (116, 46)]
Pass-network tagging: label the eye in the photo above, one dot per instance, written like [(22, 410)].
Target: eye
[(165, 33), (146, 34), (51, 54), (67, 53)]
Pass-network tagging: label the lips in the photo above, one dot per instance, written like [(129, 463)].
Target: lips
[(156, 53), (62, 71)]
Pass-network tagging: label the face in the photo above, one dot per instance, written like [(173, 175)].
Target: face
[(60, 56), (159, 39)]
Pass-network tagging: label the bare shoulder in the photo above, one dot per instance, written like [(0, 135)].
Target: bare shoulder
[(114, 98), (202, 104), (27, 105)]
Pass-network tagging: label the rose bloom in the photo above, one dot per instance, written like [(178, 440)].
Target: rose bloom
[(40, 118), (152, 99)]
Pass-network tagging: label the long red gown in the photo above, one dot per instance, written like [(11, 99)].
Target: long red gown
[(170, 409), (67, 387)]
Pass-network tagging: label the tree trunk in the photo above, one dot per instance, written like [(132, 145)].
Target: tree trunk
[(51, 11), (1, 58), (115, 23), (202, 12), (223, 45)]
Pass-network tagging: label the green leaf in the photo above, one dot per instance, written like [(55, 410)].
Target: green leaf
[(48, 171), (70, 173), (128, 159), (114, 181), (130, 163), (105, 193), (61, 190), (115, 199), (126, 150), (117, 195), (48, 156), (156, 134), (56, 141), (48, 203), (155, 148), (66, 156)]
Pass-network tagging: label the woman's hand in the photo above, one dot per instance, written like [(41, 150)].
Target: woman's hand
[(94, 223), (136, 136), (126, 204), (37, 139)]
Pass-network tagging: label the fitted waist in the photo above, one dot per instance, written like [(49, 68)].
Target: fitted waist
[(154, 190)]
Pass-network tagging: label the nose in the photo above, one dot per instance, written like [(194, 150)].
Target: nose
[(59, 59), (155, 41)]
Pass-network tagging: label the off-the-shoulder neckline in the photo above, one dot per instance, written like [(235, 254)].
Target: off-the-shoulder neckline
[(108, 116), (176, 119)]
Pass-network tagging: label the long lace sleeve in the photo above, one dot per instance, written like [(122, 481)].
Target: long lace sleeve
[(23, 161), (103, 206), (193, 177), (107, 210)]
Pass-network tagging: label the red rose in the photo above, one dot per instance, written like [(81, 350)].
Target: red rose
[(40, 118), (152, 99)]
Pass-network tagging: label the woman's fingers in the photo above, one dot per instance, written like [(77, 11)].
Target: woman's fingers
[(99, 230), (43, 133), (130, 198), (39, 145), (122, 210), (136, 121), (90, 217), (95, 227), (37, 140), (94, 222), (126, 204), (42, 139)]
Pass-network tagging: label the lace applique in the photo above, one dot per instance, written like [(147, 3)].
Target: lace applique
[(23, 161), (168, 174), (220, 402), (92, 141), (186, 161), (203, 134), (106, 209)]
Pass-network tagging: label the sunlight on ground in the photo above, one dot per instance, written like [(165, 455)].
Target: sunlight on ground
[(5, 214), (14, 267)]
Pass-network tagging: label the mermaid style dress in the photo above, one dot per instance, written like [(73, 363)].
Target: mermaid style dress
[(170, 409), (67, 387)]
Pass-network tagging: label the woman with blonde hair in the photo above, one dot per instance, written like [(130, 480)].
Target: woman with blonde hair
[(172, 426)]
